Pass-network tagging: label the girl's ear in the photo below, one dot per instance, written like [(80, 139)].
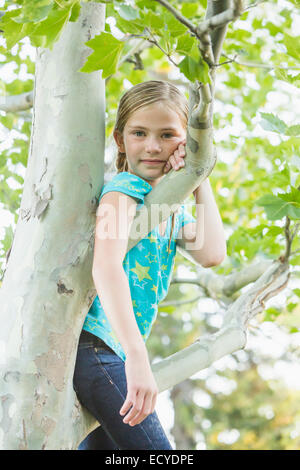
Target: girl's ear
[(119, 141)]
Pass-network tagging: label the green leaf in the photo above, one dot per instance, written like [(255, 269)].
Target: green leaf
[(292, 44), (277, 207), (293, 131), (75, 12), (152, 21), (271, 313), (295, 260), (274, 231), (189, 10), (132, 27), (33, 11), (173, 25), (193, 66), (185, 44), (145, 4), (194, 70), (13, 31), (46, 32), (127, 12), (107, 50), (272, 123), (286, 77), (291, 306), (8, 238)]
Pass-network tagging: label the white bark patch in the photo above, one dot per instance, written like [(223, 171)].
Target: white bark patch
[(2, 352), (13, 346), (34, 237), (12, 409)]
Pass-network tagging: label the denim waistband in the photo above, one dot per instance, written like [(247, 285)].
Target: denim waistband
[(86, 336)]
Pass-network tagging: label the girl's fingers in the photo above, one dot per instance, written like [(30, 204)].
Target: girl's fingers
[(128, 403), (135, 411), (176, 159), (176, 162), (145, 410)]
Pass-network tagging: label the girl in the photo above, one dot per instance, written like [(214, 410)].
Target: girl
[(113, 377)]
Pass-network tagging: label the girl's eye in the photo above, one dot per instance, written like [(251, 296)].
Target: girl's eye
[(141, 133)]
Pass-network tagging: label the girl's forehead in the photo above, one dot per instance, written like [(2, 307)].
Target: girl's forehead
[(155, 115)]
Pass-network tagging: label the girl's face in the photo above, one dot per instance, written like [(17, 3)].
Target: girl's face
[(151, 135)]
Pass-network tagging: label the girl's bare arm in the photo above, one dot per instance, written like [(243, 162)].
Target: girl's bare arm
[(113, 290)]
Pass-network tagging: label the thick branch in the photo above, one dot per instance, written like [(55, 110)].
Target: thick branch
[(230, 338), (215, 7), (217, 285), (221, 19), (15, 103)]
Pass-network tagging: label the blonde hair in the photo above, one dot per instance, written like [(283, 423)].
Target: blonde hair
[(145, 94)]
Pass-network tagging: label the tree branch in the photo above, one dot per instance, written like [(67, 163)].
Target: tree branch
[(256, 64), (178, 303), (217, 285), (221, 19), (219, 14), (289, 239), (230, 338), (15, 103)]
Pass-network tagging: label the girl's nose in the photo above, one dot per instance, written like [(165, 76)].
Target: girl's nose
[(153, 146)]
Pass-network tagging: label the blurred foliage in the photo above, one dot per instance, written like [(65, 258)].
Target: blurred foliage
[(255, 180)]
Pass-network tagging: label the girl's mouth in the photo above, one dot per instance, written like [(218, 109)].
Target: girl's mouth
[(152, 162)]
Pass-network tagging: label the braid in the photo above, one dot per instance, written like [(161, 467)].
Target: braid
[(121, 163)]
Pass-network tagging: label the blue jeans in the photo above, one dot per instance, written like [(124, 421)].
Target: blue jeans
[(100, 384)]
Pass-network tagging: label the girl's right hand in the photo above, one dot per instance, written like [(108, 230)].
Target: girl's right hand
[(142, 390)]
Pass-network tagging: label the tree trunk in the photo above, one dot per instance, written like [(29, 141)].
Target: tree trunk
[(47, 290)]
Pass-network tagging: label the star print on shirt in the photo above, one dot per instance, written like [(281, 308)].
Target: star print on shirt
[(154, 288), (153, 258), (137, 283), (141, 271)]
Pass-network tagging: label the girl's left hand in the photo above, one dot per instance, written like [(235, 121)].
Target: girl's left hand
[(176, 160)]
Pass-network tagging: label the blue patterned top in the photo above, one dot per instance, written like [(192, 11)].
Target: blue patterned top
[(148, 266)]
